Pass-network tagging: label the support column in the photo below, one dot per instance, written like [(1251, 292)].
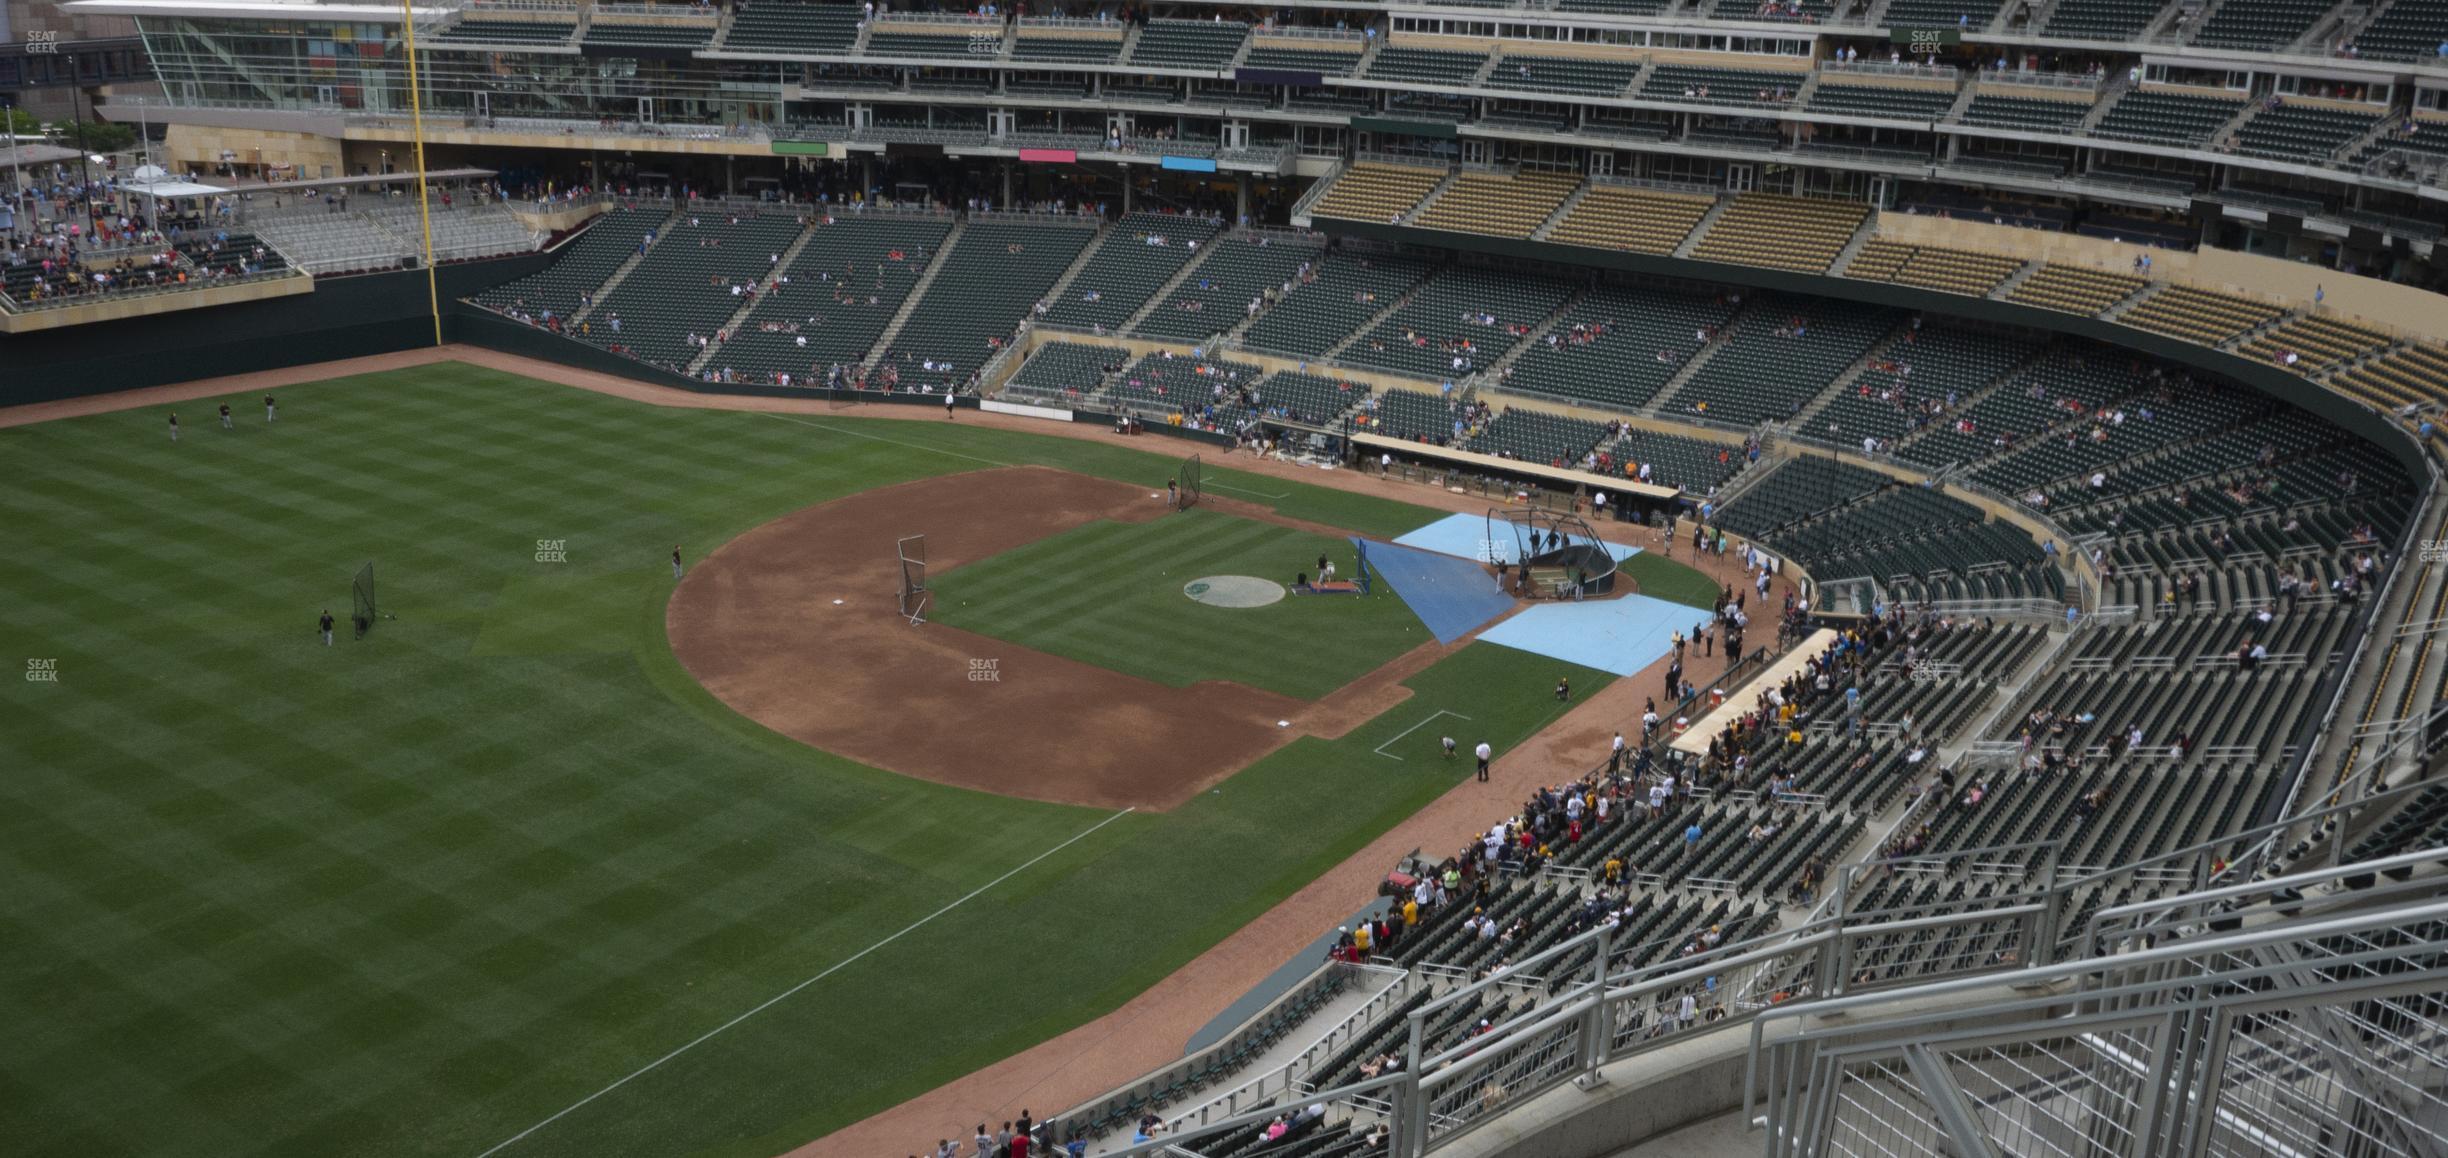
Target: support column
[(1007, 185), (1241, 199)]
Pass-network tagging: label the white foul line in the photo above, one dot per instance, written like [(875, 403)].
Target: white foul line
[(1247, 491), (1431, 718), (777, 998)]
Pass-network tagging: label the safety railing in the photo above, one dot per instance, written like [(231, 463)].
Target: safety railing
[(1894, 69), (2082, 81), (2301, 1037)]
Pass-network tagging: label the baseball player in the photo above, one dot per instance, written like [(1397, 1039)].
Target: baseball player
[(324, 625), (271, 412), (174, 428), (225, 418), (676, 569), (1484, 753)]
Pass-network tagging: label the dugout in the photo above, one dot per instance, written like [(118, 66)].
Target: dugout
[(1511, 480)]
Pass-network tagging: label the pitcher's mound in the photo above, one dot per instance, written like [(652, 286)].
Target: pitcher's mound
[(1234, 591)]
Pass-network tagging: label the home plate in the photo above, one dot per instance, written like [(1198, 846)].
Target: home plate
[(1283, 723), (837, 603)]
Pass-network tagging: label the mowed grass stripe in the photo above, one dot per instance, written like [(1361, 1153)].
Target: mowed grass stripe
[(1112, 594)]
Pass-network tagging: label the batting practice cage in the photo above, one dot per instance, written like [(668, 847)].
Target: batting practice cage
[(1187, 481), (361, 601), (912, 553), (1556, 554)]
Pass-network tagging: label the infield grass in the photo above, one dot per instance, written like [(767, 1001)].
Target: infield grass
[(1111, 594), (417, 894)]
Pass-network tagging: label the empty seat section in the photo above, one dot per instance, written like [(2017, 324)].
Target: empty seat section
[(1333, 299), (2030, 114), (1281, 58), (1890, 101), (1537, 436), (1498, 204), (1695, 465), (2262, 25), (1969, 15), (2405, 30), (844, 287), (1912, 384), (1723, 86), (1067, 49), (2198, 315), (784, 26), (1780, 354), (2074, 289), (2411, 376), (2303, 133), (2100, 19), (2168, 118), (2057, 390), (1139, 254), (1617, 346), (1371, 191), (1638, 220), (2317, 341), (934, 43), (1461, 320), (1796, 233), (1227, 286), (581, 266), (1562, 74), (1191, 44), (684, 286), (507, 32), (691, 35), (1960, 271), (1426, 65), (1065, 372), (995, 272)]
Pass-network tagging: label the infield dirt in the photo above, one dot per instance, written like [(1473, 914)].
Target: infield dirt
[(755, 623)]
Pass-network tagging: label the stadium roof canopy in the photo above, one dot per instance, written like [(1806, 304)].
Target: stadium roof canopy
[(171, 189), (251, 10), (31, 154)]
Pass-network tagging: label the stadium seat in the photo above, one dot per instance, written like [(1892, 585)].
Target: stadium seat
[(1373, 191), (1135, 259), (1796, 233), (994, 274)]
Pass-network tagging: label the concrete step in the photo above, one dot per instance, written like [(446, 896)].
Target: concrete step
[(662, 233), (917, 292), (2015, 279), (1561, 212), (765, 284), (1699, 358), (1164, 293), (1707, 221)]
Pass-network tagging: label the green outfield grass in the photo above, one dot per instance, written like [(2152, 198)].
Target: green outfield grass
[(418, 894), (1659, 577), (1110, 594)]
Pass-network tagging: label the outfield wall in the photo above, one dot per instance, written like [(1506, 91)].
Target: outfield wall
[(346, 317)]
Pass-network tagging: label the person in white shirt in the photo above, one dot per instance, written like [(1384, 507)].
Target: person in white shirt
[(1484, 752)]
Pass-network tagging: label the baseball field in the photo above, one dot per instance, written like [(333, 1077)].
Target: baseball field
[(513, 875)]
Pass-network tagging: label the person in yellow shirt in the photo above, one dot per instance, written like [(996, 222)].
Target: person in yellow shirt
[(1360, 937), (1410, 911), (1613, 870)]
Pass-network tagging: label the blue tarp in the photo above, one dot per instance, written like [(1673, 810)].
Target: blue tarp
[(1452, 597)]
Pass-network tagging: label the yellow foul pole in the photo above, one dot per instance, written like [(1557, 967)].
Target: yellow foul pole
[(416, 123)]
